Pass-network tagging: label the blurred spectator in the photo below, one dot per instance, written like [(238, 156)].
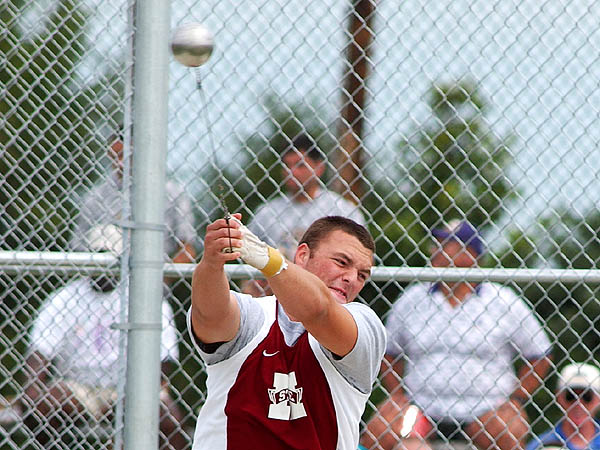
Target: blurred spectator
[(73, 362), (578, 396), (103, 204), (449, 362), (282, 221)]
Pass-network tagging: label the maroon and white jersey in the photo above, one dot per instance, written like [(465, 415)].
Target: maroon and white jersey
[(270, 395)]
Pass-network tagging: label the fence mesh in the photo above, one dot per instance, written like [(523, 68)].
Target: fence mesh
[(425, 114)]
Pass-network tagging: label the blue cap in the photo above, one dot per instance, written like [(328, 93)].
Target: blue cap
[(463, 232)]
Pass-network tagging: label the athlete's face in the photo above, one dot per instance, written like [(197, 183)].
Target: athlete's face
[(340, 261)]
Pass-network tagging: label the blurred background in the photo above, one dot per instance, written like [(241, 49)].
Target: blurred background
[(426, 112)]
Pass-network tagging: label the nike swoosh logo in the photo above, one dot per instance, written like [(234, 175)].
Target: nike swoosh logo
[(269, 354)]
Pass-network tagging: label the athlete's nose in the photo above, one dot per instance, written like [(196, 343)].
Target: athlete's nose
[(349, 276)]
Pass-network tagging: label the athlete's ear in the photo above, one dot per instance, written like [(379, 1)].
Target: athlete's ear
[(302, 255)]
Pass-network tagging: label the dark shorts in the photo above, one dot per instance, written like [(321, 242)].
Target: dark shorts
[(448, 429), (442, 429)]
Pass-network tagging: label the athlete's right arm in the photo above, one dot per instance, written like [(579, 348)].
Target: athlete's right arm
[(215, 312)]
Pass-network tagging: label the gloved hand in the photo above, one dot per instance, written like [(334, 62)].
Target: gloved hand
[(258, 254)]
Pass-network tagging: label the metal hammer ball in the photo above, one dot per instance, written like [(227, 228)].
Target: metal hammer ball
[(192, 44)]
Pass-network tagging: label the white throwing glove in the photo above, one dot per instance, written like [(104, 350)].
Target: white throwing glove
[(258, 254)]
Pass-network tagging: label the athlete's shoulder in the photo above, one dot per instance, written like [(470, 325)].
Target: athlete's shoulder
[(265, 302), (256, 307), (367, 319)]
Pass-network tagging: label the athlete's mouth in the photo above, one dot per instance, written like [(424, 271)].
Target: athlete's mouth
[(339, 293)]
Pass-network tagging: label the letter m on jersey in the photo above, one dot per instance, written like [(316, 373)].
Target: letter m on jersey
[(286, 398)]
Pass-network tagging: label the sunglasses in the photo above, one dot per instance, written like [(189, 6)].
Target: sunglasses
[(585, 396)]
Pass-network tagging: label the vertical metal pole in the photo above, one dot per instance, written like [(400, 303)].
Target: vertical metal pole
[(126, 217), (147, 241)]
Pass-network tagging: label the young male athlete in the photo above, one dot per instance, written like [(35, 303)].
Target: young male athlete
[(293, 370)]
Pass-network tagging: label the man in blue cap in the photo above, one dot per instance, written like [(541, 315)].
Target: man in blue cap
[(450, 355)]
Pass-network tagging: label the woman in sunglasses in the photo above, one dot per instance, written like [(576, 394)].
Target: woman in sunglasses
[(578, 395)]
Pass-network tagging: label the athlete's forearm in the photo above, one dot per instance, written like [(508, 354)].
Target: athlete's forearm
[(307, 299), (303, 296), (215, 313), (210, 290)]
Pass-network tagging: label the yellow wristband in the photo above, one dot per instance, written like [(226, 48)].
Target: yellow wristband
[(275, 265)]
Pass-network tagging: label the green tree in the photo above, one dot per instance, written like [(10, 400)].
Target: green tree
[(562, 239), (48, 147), (454, 167), (257, 174), (565, 240), (572, 241), (48, 134)]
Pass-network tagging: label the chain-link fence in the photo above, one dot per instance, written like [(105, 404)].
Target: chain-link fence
[(424, 114)]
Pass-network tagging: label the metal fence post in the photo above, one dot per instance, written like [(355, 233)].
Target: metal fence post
[(149, 162)]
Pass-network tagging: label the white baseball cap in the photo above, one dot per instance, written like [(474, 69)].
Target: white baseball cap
[(579, 375), (105, 238)]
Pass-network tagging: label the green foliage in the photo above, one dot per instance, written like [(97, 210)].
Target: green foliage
[(258, 174), (572, 241), (567, 240), (461, 167), (570, 312), (48, 127), (456, 167), (48, 144), (452, 167)]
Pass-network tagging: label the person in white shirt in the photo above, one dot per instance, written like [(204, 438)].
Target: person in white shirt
[(103, 204), (73, 362), (282, 221), (450, 355)]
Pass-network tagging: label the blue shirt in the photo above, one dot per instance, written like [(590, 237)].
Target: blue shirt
[(556, 436)]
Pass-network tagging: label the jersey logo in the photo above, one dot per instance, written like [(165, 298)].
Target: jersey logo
[(269, 354), (286, 399)]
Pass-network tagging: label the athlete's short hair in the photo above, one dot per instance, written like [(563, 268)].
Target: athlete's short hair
[(320, 228)]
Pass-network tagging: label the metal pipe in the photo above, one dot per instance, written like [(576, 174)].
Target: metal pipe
[(408, 274), (499, 275), (23, 259), (152, 22), (128, 96), (44, 262)]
